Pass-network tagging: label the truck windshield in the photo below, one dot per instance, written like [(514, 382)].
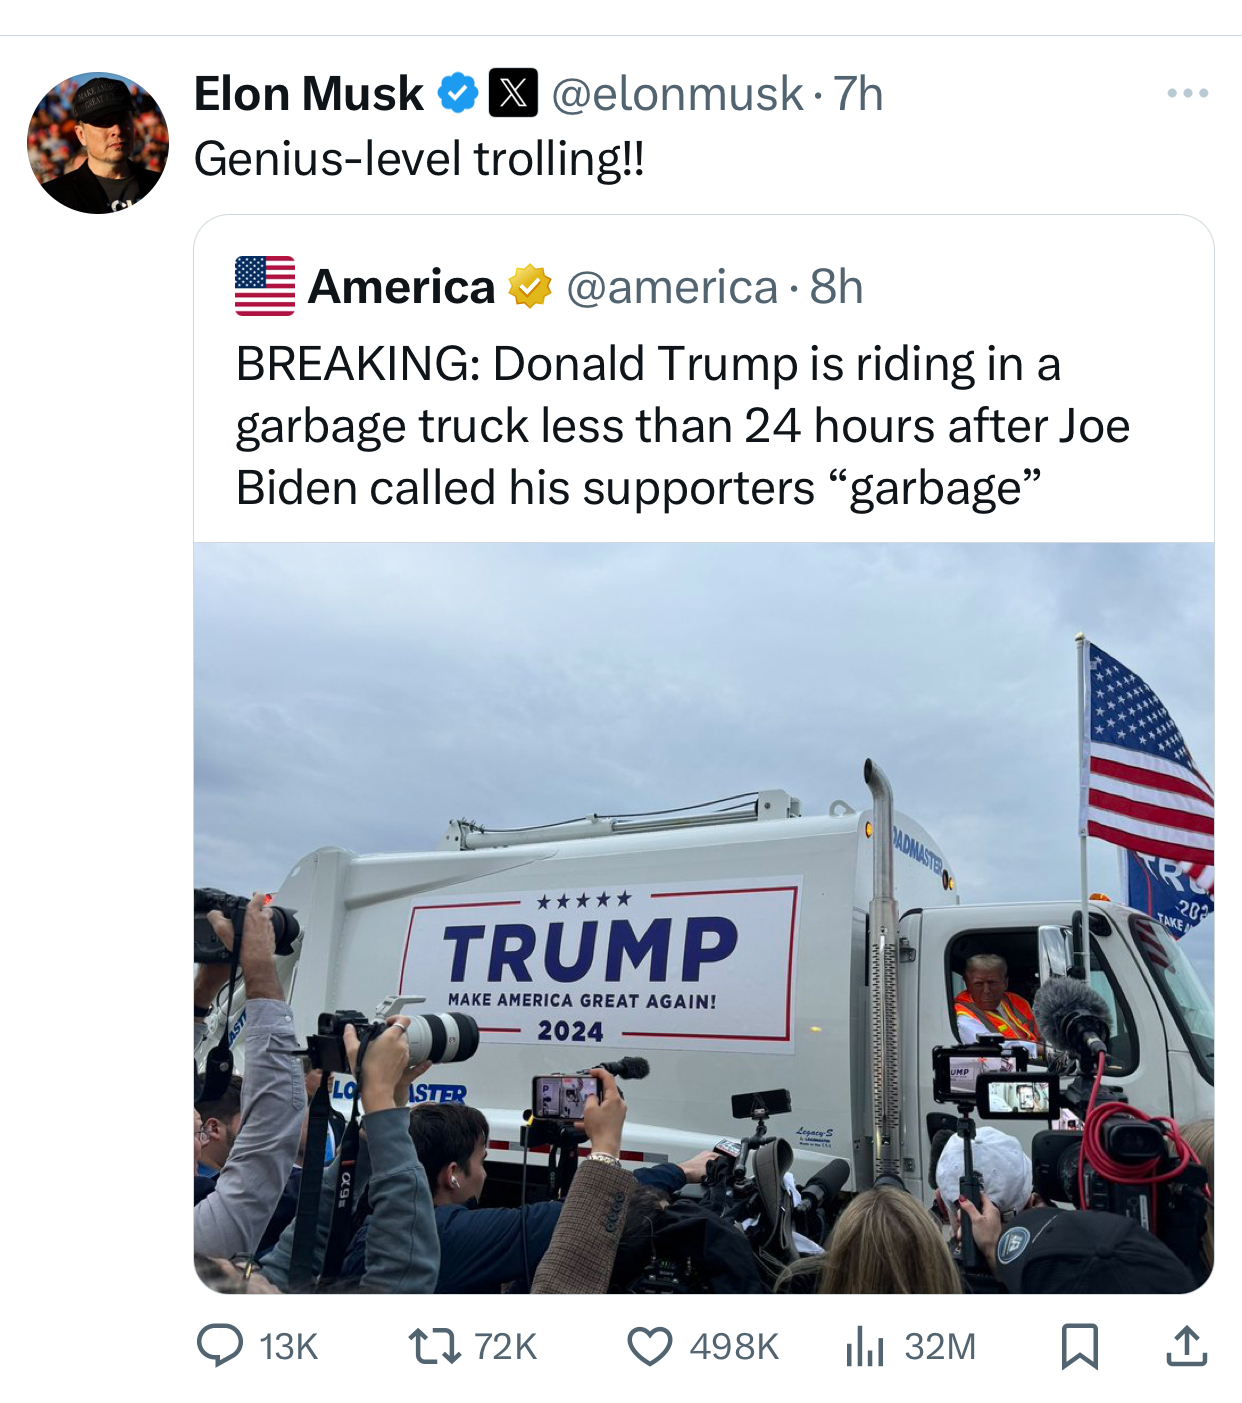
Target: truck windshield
[(1181, 987)]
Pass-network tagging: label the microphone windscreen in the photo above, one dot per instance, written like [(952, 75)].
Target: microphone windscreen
[(827, 1182), (634, 1068), (1065, 1009)]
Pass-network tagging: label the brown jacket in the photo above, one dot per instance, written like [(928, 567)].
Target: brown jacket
[(580, 1256)]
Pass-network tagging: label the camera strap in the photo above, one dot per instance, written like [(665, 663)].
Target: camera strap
[(218, 1067), (306, 1223), (342, 1226)]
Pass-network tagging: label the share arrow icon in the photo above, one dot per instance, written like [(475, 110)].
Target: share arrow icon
[(1186, 1334)]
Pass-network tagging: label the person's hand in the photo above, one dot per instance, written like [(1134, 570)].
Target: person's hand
[(258, 951), (602, 1118), (695, 1169), (258, 932), (210, 979), (222, 928), (388, 1057), (985, 1225), (401, 1091)]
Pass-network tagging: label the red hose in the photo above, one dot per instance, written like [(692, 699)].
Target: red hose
[(1103, 1163)]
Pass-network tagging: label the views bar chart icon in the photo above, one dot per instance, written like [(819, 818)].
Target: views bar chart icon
[(870, 1359), (263, 285)]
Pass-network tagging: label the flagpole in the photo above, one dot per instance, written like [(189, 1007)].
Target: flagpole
[(1083, 943)]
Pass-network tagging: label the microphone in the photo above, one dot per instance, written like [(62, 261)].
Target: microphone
[(632, 1068), (825, 1184), (1073, 1017)]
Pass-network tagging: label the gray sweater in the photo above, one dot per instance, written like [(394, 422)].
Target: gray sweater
[(403, 1246), (273, 1100)]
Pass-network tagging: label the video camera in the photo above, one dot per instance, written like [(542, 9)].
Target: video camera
[(208, 948), (1122, 1162), (433, 1037)]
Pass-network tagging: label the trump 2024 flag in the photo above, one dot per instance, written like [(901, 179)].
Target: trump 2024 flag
[(1140, 788), (263, 285)]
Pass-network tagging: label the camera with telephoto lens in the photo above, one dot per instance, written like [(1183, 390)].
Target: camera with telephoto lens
[(210, 950), (433, 1037)]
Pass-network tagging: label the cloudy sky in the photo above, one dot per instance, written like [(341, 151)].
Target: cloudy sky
[(364, 695)]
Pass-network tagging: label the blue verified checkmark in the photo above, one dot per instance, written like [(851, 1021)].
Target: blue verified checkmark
[(457, 92)]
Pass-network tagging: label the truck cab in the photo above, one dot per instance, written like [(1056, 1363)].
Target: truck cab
[(1161, 1043)]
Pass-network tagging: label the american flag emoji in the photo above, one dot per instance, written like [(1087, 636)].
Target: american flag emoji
[(263, 285)]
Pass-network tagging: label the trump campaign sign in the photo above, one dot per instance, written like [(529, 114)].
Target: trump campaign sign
[(625, 966)]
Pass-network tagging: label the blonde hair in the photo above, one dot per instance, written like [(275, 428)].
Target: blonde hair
[(1201, 1137), (886, 1243), (988, 962)]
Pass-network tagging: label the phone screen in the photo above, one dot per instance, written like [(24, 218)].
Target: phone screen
[(563, 1098), (1013, 1097)]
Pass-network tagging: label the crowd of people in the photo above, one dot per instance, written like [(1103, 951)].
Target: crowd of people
[(419, 1171), (53, 146)]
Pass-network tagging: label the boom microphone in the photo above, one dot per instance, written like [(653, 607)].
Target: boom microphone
[(823, 1186), (632, 1068), (1073, 1017)]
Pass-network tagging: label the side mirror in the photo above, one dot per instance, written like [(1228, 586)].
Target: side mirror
[(1053, 954)]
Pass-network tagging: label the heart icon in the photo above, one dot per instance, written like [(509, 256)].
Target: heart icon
[(650, 1342)]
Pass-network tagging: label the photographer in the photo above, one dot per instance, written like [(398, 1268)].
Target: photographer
[(269, 1122), (403, 1253), (1045, 1252), (402, 1249)]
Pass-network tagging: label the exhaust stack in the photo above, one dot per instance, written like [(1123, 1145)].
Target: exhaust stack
[(885, 1030)]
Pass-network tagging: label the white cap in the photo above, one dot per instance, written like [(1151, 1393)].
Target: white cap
[(999, 1160)]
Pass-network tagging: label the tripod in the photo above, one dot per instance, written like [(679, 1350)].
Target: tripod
[(970, 1187)]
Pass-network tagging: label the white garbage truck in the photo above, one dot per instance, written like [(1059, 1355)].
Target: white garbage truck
[(737, 950)]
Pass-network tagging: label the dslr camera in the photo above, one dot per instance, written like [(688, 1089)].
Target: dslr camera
[(208, 949), (433, 1037)]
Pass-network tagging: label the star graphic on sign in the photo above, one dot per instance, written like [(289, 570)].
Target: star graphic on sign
[(529, 286), (583, 899), (602, 898), (562, 901), (623, 899), (543, 903)]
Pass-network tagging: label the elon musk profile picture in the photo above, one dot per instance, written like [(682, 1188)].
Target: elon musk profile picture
[(108, 174)]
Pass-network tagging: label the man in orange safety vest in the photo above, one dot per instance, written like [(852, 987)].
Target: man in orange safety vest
[(986, 1008)]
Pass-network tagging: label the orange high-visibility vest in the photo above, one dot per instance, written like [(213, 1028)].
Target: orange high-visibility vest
[(1014, 1019)]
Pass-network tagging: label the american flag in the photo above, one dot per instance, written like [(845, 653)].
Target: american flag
[(263, 285), (1141, 790)]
